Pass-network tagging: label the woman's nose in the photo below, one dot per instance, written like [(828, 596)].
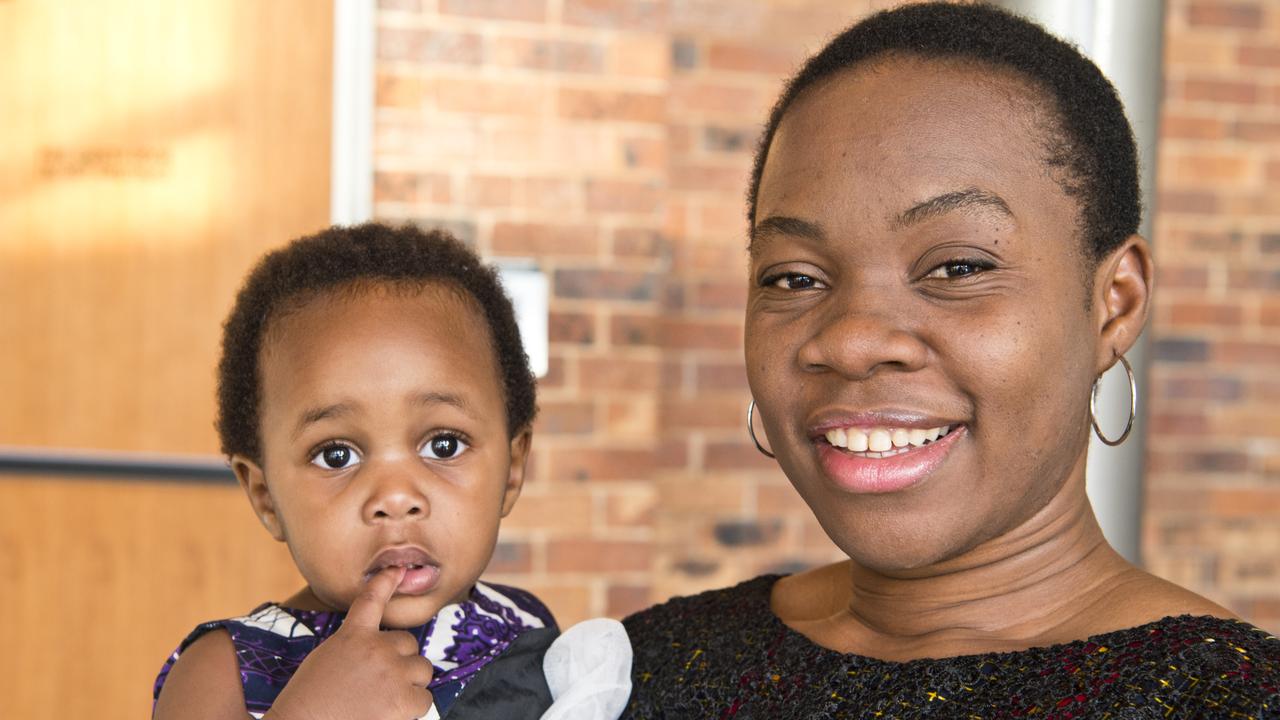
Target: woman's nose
[(396, 494), (857, 339)]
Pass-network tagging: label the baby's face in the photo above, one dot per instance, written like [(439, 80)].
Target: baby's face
[(385, 443)]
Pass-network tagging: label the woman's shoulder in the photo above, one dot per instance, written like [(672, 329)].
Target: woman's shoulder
[(746, 603)]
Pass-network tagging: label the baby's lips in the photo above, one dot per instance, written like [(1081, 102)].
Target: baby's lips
[(405, 556)]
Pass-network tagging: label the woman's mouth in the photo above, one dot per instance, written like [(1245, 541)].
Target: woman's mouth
[(883, 442), (421, 574), (884, 459)]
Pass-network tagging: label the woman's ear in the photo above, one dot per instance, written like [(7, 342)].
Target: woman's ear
[(254, 483), (515, 476), (1122, 299)]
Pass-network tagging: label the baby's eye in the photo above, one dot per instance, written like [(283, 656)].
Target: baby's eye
[(336, 457), (958, 268), (792, 281), (443, 447)]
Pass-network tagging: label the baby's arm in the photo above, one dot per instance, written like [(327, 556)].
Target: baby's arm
[(359, 673), (204, 682)]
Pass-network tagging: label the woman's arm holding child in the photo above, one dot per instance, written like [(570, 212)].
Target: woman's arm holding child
[(359, 672)]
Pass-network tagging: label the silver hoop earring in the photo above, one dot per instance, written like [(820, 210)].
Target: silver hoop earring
[(751, 430), (1133, 406)]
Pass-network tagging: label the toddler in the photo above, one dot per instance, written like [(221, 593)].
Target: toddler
[(375, 402)]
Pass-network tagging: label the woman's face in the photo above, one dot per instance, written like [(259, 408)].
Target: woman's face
[(917, 273)]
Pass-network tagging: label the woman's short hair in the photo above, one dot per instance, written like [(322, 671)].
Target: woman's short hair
[(1090, 147)]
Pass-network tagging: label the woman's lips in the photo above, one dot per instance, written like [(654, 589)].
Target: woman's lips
[(898, 469), (421, 574)]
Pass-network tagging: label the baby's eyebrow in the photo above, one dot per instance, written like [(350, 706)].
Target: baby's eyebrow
[(315, 415), (441, 398)]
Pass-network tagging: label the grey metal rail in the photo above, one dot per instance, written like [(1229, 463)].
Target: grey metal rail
[(114, 465)]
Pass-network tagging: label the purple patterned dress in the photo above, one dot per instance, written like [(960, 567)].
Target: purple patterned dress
[(272, 641)]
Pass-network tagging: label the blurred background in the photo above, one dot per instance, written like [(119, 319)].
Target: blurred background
[(151, 151)]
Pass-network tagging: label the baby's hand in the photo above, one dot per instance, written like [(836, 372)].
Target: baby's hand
[(361, 672)]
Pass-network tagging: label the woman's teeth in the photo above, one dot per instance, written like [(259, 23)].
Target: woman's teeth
[(883, 440)]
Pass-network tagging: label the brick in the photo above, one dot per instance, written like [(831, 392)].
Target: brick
[(1183, 314), (721, 412), (633, 330), (1188, 202), (411, 187), (571, 328), (634, 242), (715, 17), (570, 602), (429, 46), (471, 95), (592, 555), (640, 56), (544, 240), (747, 533), (1247, 16), (622, 196), (1168, 423), (464, 230), (1202, 387), (623, 600), (701, 493), (1239, 279), (1265, 354), (719, 295), (1269, 313), (1264, 56), (1180, 350), (571, 507), (510, 556), (618, 373), (522, 10), (612, 105), (729, 140), (701, 335), (1269, 243), (713, 99), (739, 455), (752, 57), (561, 56), (630, 507), (565, 418), (684, 53), (1181, 277), (630, 15), (631, 418), (587, 465), (1205, 167), (1244, 502), (606, 284), (645, 153), (709, 178), (489, 191), (402, 91), (1228, 92), (722, 376)]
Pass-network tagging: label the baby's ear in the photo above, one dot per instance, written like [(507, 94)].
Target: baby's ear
[(254, 483), (515, 476)]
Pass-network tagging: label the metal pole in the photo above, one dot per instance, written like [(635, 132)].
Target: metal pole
[(1125, 39)]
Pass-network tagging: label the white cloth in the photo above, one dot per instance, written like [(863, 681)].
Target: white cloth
[(588, 670)]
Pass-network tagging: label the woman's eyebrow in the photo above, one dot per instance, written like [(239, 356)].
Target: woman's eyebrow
[(784, 225), (951, 201)]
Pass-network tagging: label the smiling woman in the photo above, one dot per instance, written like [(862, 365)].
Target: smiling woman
[(943, 261)]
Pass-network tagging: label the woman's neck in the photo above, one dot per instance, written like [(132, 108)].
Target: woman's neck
[(1051, 579)]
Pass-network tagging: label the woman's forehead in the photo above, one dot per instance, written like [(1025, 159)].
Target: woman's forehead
[(905, 130)]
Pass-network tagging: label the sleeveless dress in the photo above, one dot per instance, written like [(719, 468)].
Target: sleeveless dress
[(724, 654), (497, 630)]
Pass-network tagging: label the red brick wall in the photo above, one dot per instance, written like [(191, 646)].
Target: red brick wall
[(1213, 478), (610, 140)]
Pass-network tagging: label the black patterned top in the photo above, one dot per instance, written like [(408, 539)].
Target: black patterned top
[(724, 654)]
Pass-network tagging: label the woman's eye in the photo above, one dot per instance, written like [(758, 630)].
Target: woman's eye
[(443, 447), (792, 281), (336, 457), (958, 268)]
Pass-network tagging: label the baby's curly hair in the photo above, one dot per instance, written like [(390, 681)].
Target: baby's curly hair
[(339, 258), (1091, 149)]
